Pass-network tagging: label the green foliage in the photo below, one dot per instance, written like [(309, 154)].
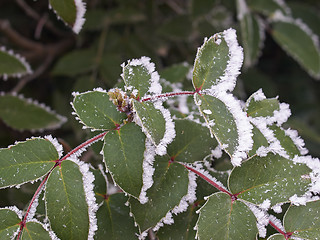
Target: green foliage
[(217, 166)]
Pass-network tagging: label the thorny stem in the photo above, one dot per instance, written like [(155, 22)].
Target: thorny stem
[(58, 162)]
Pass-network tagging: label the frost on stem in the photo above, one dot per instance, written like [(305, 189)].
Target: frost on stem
[(88, 179)]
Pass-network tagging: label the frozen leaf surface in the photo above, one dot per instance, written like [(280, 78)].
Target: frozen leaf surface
[(123, 153), (35, 231), (9, 223), (12, 65), (25, 114), (66, 203), (309, 227), (26, 161), (113, 219), (71, 12), (95, 110), (271, 177), (170, 185), (220, 218)]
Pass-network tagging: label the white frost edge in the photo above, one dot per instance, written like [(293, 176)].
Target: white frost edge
[(148, 170), (242, 9), (46, 227), (297, 140), (21, 59), (261, 216), (79, 21), (81, 10), (228, 80), (14, 209), (276, 222), (277, 208), (88, 179), (244, 128), (155, 87), (74, 113), (61, 118), (278, 16), (56, 144)]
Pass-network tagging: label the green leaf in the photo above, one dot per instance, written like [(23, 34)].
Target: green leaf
[(252, 34), (114, 221), (220, 219), (211, 62), (303, 221), (26, 161), (220, 121), (151, 119), (96, 110), (175, 73), (182, 228), (268, 7), (26, 114), (277, 236), (170, 185), (176, 28), (140, 75), (34, 231), (70, 11), (9, 223), (66, 206), (285, 141), (12, 65), (261, 107), (258, 141), (123, 153), (272, 177), (192, 142), (75, 63), (299, 44), (100, 185)]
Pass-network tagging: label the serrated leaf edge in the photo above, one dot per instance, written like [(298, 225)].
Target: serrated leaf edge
[(61, 118), (21, 59)]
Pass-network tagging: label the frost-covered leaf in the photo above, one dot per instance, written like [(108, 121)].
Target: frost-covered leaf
[(100, 184), (252, 33), (95, 110), (268, 7), (26, 161), (271, 177), (299, 42), (182, 228), (123, 153), (113, 219), (170, 185), (70, 11), (285, 141), (34, 231), (227, 123), (25, 114), (141, 78), (218, 62), (277, 236), (220, 219), (192, 142), (9, 223), (156, 123), (303, 221), (12, 65), (258, 141), (259, 106), (66, 204)]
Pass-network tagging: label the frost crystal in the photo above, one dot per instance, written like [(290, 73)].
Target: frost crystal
[(81, 9), (165, 220), (148, 170), (88, 179), (14, 209), (265, 205), (277, 208), (56, 144)]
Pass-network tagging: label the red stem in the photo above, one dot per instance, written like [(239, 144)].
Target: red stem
[(172, 94), (86, 143), (286, 235), (209, 180)]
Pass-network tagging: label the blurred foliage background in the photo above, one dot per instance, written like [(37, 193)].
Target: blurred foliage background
[(168, 31)]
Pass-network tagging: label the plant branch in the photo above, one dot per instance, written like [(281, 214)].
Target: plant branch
[(286, 235), (166, 95), (58, 162)]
